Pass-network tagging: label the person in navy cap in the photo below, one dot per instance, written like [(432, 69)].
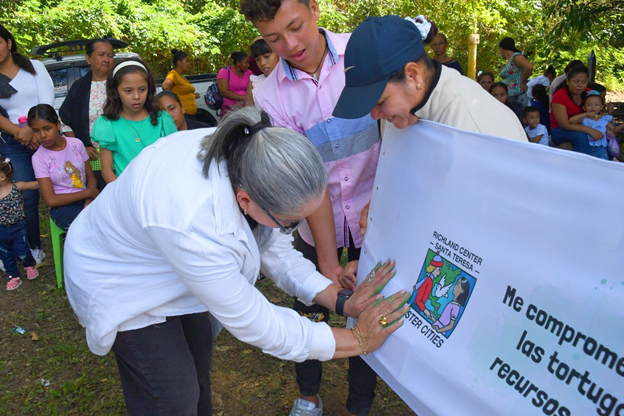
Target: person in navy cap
[(389, 75)]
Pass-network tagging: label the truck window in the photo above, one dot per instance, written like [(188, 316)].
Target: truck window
[(84, 70), (59, 79)]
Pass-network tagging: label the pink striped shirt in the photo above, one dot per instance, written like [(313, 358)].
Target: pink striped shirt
[(349, 148)]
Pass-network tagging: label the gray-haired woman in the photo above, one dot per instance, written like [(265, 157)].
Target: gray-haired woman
[(186, 230)]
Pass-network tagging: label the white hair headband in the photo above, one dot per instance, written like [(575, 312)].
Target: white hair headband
[(128, 63), (421, 24)]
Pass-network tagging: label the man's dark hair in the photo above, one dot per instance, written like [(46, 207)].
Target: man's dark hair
[(263, 10), (550, 70)]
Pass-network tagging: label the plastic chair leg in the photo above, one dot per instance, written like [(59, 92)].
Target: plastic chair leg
[(58, 243)]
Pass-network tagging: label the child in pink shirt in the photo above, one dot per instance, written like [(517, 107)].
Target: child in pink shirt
[(65, 179)]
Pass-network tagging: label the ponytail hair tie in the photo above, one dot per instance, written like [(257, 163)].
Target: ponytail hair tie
[(422, 24), (262, 124)]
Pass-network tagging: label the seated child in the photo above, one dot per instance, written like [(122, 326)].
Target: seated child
[(61, 166), (267, 61), (541, 102), (170, 102), (13, 245), (594, 118), (608, 107), (537, 132)]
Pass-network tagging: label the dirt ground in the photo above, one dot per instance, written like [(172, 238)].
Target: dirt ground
[(50, 371)]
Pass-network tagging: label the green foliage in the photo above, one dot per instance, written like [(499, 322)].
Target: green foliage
[(210, 30)]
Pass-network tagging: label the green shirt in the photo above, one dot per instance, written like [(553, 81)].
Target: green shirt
[(120, 136)]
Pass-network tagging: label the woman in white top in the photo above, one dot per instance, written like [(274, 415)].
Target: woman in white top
[(24, 83), (185, 230)]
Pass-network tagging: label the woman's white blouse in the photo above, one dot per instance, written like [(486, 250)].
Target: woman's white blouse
[(31, 90), (163, 240)]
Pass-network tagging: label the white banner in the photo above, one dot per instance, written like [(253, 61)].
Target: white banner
[(514, 252)]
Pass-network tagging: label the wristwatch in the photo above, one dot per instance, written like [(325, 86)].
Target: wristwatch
[(343, 295)]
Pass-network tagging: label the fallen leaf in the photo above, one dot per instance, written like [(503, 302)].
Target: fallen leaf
[(217, 400), (34, 336), (247, 352), (223, 348)]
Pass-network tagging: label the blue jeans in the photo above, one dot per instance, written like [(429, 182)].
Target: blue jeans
[(13, 244), (65, 215), (21, 159), (599, 152), (165, 368), (579, 140), (362, 379)]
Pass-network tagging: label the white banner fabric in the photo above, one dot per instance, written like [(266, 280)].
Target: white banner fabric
[(514, 252)]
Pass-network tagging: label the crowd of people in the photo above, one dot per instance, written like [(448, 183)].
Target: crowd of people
[(555, 110), (175, 252)]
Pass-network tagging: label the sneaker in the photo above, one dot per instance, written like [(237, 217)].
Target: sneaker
[(39, 256), (304, 407), (14, 283), (32, 272)]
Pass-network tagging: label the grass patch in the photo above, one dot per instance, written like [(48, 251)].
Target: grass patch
[(244, 380)]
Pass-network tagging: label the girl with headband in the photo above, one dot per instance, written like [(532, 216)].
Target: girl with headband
[(165, 257), (132, 118)]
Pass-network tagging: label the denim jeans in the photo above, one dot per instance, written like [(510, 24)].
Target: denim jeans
[(362, 379), (165, 368), (599, 152), (22, 165), (579, 140), (13, 245), (65, 215)]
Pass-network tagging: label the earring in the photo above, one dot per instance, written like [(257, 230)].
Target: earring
[(245, 211), (419, 87)]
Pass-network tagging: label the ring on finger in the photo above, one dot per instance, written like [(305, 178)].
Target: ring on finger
[(383, 321), (370, 276)]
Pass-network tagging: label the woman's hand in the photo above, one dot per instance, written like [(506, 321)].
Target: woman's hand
[(524, 86), (24, 135), (595, 134), (196, 95), (92, 153), (380, 320), (369, 289)]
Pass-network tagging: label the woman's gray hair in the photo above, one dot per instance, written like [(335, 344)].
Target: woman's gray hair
[(279, 168)]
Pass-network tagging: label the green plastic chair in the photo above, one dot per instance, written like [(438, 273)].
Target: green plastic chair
[(95, 164), (58, 241)]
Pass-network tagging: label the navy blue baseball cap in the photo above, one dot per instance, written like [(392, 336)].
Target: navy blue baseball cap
[(378, 48)]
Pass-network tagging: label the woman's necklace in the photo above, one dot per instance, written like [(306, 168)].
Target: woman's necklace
[(313, 73), (138, 134)]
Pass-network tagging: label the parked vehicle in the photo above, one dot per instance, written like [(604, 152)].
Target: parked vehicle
[(66, 64)]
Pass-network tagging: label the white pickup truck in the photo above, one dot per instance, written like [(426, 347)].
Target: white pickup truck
[(66, 64)]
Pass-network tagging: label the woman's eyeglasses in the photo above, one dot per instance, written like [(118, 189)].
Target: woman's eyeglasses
[(284, 229)]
